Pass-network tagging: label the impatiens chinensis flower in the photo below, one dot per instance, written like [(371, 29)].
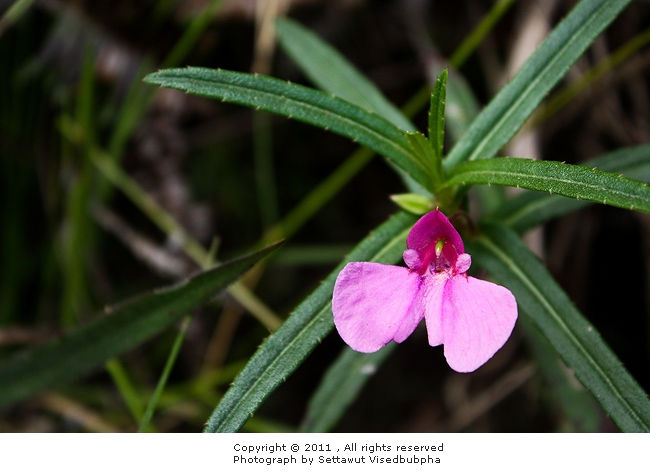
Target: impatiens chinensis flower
[(376, 303)]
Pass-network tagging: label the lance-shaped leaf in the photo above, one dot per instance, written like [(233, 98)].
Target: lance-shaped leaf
[(121, 328), (437, 117), (300, 103), (573, 181), (507, 112), (312, 320), (531, 208), (499, 250)]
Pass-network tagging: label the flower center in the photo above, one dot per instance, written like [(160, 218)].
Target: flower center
[(438, 256)]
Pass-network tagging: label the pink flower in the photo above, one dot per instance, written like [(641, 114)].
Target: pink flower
[(376, 303)]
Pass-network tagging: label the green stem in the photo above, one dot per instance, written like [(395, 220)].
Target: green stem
[(140, 95), (192, 34), (171, 359), (475, 38), (174, 230), (315, 200), (421, 98), (125, 387), (167, 223), (13, 14)]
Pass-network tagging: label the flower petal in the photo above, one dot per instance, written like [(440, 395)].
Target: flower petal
[(477, 319), (430, 228), (376, 303), (433, 292)]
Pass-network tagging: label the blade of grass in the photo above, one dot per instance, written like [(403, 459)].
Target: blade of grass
[(319, 196), (139, 96), (78, 242), (126, 388), (13, 14), (192, 34), (332, 73), (171, 359), (474, 39), (120, 329), (166, 222), (458, 92)]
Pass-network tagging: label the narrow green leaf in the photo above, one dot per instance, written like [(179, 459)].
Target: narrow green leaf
[(120, 329), (501, 252), (13, 14), (507, 112), (573, 181), (300, 103), (461, 105), (532, 208), (312, 320), (162, 380), (331, 72), (340, 386), (413, 203), (437, 117)]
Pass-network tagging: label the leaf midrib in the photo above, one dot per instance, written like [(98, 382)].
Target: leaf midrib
[(554, 180)]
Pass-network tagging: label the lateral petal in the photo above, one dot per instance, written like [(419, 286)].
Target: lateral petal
[(477, 319), (434, 287), (376, 303)]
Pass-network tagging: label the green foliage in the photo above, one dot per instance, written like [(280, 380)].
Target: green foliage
[(327, 69), (502, 253), (437, 118), (530, 208), (413, 203), (350, 105), (300, 103), (573, 181), (575, 340), (283, 352), (120, 329), (506, 113)]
